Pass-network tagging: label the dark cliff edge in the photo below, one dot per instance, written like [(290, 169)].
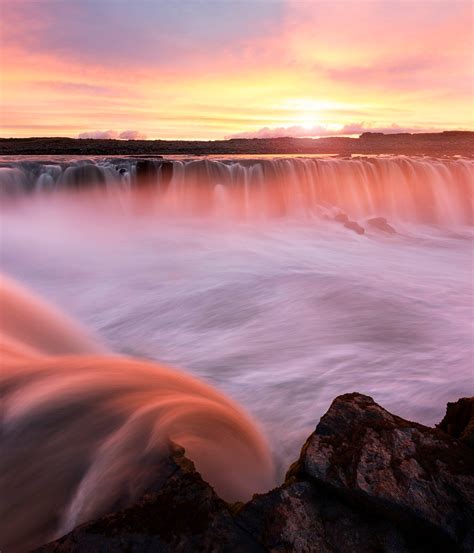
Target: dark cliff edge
[(443, 143), (365, 481)]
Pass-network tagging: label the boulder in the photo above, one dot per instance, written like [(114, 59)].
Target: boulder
[(417, 476), (366, 481), (352, 225), (341, 218), (380, 223)]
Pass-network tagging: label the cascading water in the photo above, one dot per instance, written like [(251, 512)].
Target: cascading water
[(239, 271), (83, 432), (412, 189)]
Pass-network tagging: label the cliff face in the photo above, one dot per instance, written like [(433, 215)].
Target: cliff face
[(366, 481)]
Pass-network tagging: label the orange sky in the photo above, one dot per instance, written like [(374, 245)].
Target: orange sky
[(206, 69)]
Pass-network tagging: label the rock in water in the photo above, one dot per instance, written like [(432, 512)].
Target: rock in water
[(341, 218), (352, 225), (366, 481), (381, 223)]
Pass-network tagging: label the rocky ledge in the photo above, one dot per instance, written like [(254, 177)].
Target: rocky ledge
[(366, 481)]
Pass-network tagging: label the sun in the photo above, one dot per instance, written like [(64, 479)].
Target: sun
[(308, 123)]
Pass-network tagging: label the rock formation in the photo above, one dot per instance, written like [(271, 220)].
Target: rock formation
[(459, 420), (380, 223), (352, 225), (150, 172), (366, 481)]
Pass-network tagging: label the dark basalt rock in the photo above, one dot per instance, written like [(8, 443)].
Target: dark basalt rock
[(416, 476), (381, 223), (83, 176), (366, 481), (166, 172), (459, 420), (146, 172), (150, 173), (352, 225), (184, 515)]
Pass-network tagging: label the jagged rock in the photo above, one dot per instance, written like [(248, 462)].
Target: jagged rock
[(366, 482), (352, 225), (459, 420), (183, 515), (381, 223), (304, 518), (417, 476)]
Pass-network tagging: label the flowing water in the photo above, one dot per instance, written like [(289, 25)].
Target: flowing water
[(241, 272)]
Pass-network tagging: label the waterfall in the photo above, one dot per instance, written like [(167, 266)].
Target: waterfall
[(85, 433), (421, 190)]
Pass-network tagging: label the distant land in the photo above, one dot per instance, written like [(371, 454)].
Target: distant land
[(443, 143)]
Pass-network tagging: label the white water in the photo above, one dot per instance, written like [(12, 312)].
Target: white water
[(264, 295)]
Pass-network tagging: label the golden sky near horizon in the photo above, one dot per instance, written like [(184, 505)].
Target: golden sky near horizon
[(207, 70)]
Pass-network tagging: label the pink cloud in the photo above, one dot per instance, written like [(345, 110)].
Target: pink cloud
[(132, 135), (113, 135), (105, 135), (298, 131)]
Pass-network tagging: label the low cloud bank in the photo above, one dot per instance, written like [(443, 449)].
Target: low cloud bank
[(113, 135), (319, 131)]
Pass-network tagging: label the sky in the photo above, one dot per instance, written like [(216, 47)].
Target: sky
[(201, 69)]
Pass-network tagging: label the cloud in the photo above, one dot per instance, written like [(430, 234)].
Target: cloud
[(139, 33), (104, 135), (132, 135), (351, 129), (113, 135)]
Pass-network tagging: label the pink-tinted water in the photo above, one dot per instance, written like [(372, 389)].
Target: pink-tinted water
[(265, 296)]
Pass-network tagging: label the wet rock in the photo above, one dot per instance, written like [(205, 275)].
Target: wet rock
[(83, 176), (146, 172), (366, 481), (301, 517), (352, 225), (166, 172), (459, 420), (149, 173), (416, 476), (183, 515), (341, 218), (13, 182), (381, 223)]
